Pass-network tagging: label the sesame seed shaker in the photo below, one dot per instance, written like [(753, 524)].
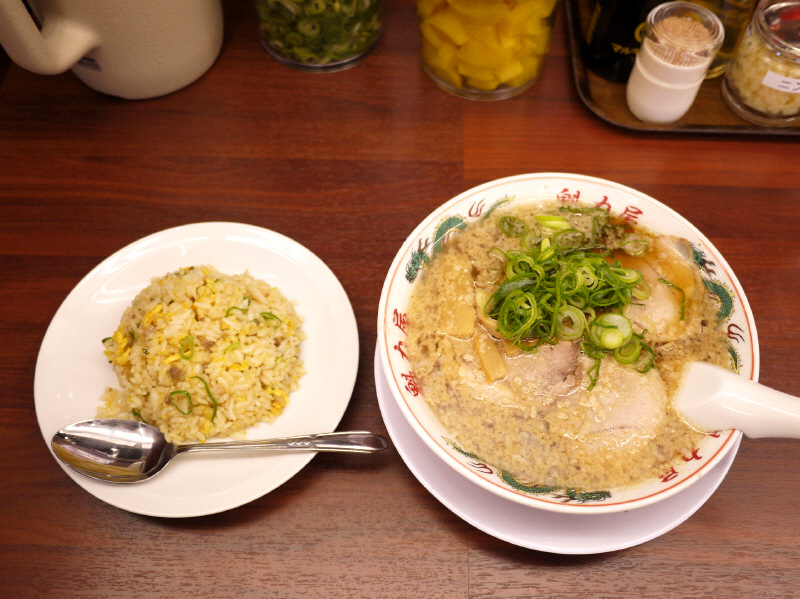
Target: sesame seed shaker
[(680, 40)]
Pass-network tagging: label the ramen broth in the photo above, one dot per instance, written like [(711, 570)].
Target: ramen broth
[(543, 415)]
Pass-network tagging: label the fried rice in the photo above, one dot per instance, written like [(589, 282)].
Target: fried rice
[(200, 354)]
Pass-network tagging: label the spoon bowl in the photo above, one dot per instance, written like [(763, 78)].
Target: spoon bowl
[(127, 451), (714, 399)]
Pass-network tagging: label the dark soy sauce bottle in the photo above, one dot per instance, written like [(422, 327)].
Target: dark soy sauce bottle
[(614, 35)]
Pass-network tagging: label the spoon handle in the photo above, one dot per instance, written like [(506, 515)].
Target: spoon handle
[(725, 400), (350, 442)]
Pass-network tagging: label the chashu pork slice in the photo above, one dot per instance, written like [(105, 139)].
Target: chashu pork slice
[(668, 314), (623, 406), (548, 372), (533, 379)]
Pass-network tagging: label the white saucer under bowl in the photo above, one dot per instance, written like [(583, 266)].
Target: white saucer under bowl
[(530, 527)]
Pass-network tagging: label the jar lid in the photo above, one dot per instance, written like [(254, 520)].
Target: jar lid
[(779, 25), (684, 33)]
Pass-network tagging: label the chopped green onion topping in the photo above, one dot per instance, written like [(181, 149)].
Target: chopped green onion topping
[(552, 222), (648, 362), (138, 414), (568, 238), (540, 283), (211, 397), (309, 28), (642, 290), (232, 346), (683, 296), (271, 316), (594, 372), (177, 407), (243, 310), (628, 353), (531, 240), (562, 289), (635, 246), (611, 331), (512, 226), (315, 7), (186, 350), (601, 220), (572, 323)]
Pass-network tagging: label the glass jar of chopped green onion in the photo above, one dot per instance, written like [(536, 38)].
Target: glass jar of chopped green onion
[(319, 35)]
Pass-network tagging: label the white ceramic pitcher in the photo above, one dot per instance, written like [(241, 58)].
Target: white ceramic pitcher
[(132, 49)]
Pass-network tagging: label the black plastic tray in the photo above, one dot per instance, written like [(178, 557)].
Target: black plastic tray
[(709, 113)]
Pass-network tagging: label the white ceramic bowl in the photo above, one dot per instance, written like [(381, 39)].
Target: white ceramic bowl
[(567, 188)]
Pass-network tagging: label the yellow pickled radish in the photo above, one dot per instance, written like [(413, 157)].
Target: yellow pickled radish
[(536, 44), (447, 23), (486, 34), (426, 8), (530, 67), (431, 35), (483, 13), (536, 28), (450, 76), (445, 57), (472, 72), (523, 11), (429, 51), (509, 71), (440, 63), (508, 39), (482, 85), (481, 55), (546, 7)]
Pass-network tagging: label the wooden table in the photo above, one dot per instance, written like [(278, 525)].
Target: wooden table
[(347, 164)]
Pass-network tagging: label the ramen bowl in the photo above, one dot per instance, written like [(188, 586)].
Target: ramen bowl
[(433, 234)]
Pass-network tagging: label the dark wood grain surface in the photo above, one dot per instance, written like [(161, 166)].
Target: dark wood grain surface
[(347, 164)]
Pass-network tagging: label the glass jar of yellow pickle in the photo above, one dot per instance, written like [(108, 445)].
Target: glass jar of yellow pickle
[(485, 49)]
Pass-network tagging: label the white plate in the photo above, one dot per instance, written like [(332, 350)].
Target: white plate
[(530, 527), (72, 372)]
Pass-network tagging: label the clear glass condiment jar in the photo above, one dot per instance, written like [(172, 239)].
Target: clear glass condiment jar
[(319, 35), (762, 84), (485, 49), (734, 15)]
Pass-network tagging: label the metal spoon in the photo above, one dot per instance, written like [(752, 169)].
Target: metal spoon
[(715, 399), (126, 451)]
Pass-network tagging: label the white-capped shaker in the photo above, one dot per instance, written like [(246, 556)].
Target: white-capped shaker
[(680, 40)]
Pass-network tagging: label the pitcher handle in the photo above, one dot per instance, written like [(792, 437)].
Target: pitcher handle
[(56, 48)]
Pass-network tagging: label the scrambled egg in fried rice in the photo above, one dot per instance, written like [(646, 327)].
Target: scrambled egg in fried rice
[(200, 354)]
